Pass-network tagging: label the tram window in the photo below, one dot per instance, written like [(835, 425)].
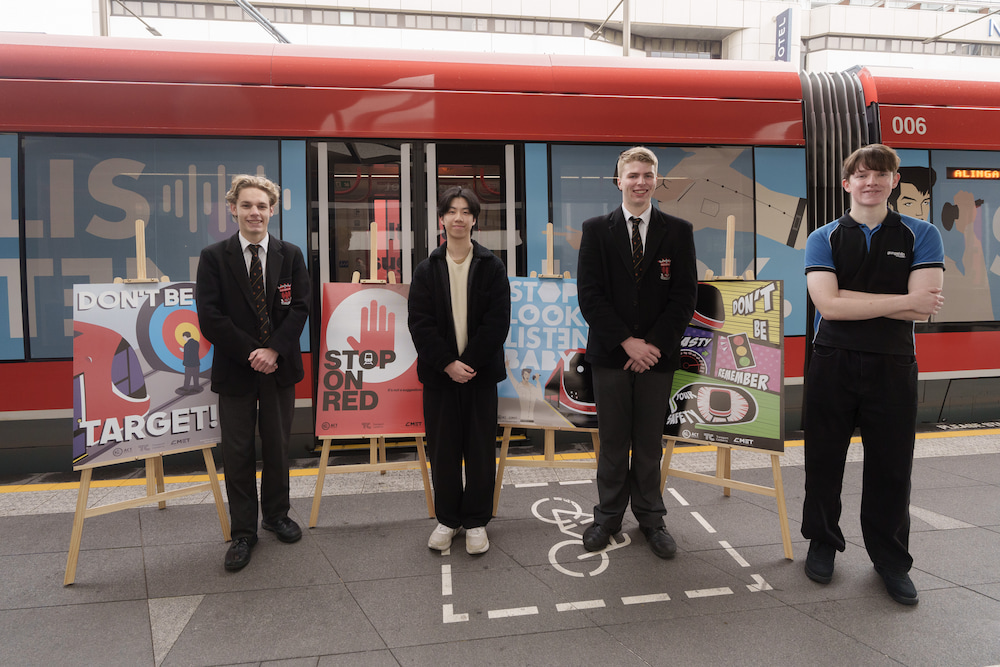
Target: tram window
[(701, 184), (479, 168), (965, 206)]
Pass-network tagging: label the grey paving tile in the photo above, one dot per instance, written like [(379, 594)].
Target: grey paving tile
[(389, 550), (292, 662), (984, 468), (45, 533), (363, 509), (366, 659), (738, 522), (954, 502), (411, 611), (747, 638), (951, 626), (569, 647), (77, 635), (195, 569), (964, 556), (989, 590), (249, 626), (182, 524), (788, 581), (102, 575)]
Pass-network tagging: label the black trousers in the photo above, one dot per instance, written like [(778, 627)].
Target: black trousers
[(268, 408), (878, 393), (631, 409), (461, 424)]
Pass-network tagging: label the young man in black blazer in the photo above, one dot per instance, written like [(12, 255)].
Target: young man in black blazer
[(637, 287), (253, 300)]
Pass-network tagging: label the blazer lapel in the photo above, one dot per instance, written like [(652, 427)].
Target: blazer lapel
[(655, 234), (620, 238), (238, 265), (274, 260)]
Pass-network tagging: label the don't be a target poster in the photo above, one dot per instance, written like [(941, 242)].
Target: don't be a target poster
[(140, 373), (730, 386)]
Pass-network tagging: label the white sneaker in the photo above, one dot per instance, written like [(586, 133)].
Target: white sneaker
[(476, 541), (441, 537)]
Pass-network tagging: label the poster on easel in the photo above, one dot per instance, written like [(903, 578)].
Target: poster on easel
[(548, 381), (140, 373), (368, 382), (729, 389)]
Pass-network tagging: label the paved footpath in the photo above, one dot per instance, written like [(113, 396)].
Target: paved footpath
[(363, 589)]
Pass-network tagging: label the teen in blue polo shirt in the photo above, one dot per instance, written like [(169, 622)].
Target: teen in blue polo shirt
[(870, 274)]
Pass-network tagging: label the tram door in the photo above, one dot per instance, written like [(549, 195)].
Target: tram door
[(488, 170), (396, 185)]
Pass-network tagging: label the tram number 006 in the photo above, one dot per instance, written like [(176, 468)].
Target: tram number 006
[(909, 125)]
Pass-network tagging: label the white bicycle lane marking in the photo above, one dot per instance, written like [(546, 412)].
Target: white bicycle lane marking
[(570, 518)]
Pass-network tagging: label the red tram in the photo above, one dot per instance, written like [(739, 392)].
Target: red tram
[(98, 132)]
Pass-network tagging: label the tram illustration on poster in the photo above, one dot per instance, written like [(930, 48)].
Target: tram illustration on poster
[(730, 385)]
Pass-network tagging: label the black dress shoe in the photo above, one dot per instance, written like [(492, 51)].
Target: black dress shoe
[(286, 529), (899, 586), (238, 554), (819, 561), (660, 541), (596, 537)]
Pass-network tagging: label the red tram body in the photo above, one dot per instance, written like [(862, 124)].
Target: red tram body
[(99, 88)]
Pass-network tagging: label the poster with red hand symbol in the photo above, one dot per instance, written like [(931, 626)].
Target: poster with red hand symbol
[(368, 382)]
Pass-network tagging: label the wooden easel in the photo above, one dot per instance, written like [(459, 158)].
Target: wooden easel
[(376, 445), (723, 461), (549, 432), (549, 459), (155, 488)]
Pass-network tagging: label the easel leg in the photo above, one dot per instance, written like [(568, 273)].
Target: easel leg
[(724, 466), (668, 453), (504, 445), (550, 444), (381, 452), (324, 459), (213, 480), (779, 491), (423, 473), (596, 441), (154, 479), (77, 535)]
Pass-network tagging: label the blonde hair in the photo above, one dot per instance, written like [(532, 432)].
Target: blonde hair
[(243, 181), (636, 154)]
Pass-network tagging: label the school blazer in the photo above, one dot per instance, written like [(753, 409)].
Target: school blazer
[(657, 308), (227, 317)]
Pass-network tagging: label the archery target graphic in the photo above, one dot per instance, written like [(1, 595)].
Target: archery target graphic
[(160, 330)]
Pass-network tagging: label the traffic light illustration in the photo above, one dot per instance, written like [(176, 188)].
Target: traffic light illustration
[(739, 345)]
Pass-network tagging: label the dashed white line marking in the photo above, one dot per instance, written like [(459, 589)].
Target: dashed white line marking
[(938, 521), (512, 612), (448, 611), (646, 599), (530, 485), (709, 592), (735, 554), (702, 521), (761, 585), (446, 580), (578, 606), (570, 482), (678, 496)]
